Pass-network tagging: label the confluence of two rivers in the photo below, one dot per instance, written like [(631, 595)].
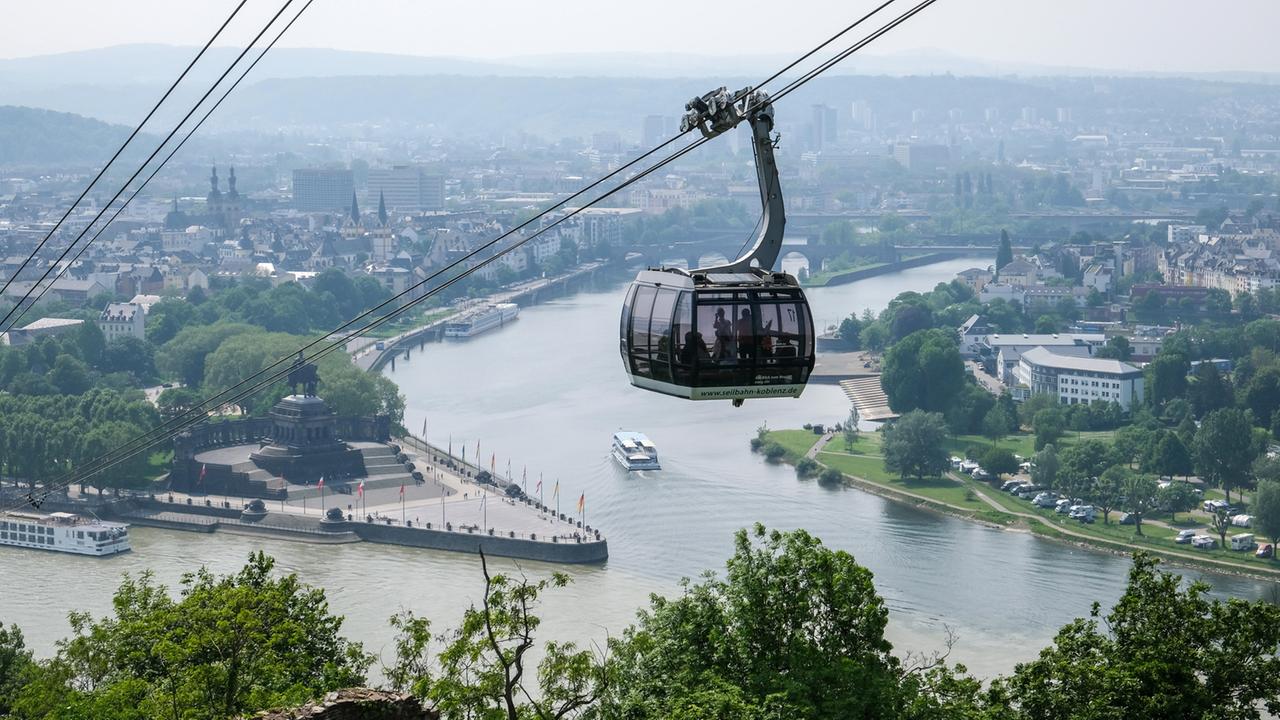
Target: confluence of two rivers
[(547, 393)]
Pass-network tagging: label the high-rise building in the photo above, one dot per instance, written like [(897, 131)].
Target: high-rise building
[(322, 189), (607, 141), (919, 157), (406, 188), (823, 126)]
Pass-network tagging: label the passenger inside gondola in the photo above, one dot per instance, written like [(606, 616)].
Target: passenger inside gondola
[(694, 348), (723, 326), (746, 336)]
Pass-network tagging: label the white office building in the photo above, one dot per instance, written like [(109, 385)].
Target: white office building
[(123, 320), (1077, 380)]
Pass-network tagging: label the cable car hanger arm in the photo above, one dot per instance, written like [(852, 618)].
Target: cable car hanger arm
[(713, 114)]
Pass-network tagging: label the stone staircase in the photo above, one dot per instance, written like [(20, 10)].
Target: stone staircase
[(381, 469)]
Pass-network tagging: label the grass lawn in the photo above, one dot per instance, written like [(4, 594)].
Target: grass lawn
[(797, 442), (1020, 444), (403, 323), (158, 462), (865, 461)]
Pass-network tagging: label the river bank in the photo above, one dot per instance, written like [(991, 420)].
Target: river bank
[(994, 512)]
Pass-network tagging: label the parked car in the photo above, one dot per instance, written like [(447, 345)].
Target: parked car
[(1242, 520), (1127, 519), (1265, 550), (1083, 513), (1211, 506), (1010, 485), (1029, 491), (1203, 542), (1243, 541), (1045, 500), (956, 462), (1185, 536), (1063, 506), (980, 474), (968, 466)]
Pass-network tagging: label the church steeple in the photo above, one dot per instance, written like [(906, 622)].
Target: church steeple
[(231, 183), (382, 208), (213, 182), (355, 210)]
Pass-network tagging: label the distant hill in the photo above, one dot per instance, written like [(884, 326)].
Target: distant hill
[(30, 136)]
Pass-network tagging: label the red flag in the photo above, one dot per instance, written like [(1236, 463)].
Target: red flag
[(360, 489), (582, 502), (321, 483), (203, 469), (539, 488), (401, 491)]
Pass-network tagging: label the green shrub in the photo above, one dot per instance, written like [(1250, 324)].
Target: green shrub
[(831, 476), (756, 444), (807, 467), (774, 451)]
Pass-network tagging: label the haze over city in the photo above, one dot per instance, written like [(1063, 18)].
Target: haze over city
[(1173, 36), (444, 361)]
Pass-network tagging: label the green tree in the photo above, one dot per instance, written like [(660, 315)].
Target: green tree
[(15, 667), (1171, 457), (1049, 425), (101, 440), (850, 429), (1220, 522), (70, 375), (793, 630), (167, 318), (968, 409), (1176, 497), (1261, 395), (995, 425), (130, 355), (1117, 348), (923, 371), (1088, 459), (226, 646), (484, 671), (1166, 378), (1108, 489), (183, 357), (1045, 467), (1164, 651), (1004, 254), (999, 461), (914, 445), (1140, 496), (1224, 448), (173, 402), (1266, 510)]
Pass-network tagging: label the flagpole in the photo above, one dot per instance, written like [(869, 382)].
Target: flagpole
[(484, 506), (443, 521)]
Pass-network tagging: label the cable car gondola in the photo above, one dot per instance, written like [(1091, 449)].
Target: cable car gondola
[(733, 331)]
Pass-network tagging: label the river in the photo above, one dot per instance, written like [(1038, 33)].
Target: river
[(546, 393)]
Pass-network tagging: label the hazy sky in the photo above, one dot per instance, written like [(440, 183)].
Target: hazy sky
[(1136, 35)]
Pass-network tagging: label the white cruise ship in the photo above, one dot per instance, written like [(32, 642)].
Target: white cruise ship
[(481, 320), (634, 451), (63, 532)]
